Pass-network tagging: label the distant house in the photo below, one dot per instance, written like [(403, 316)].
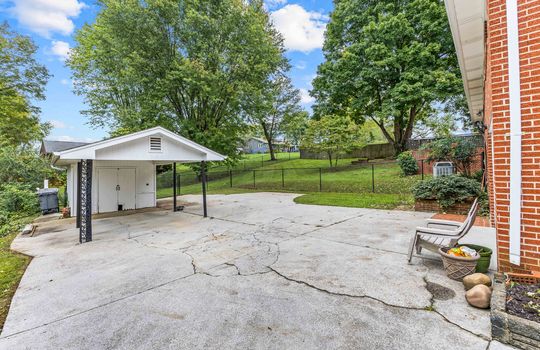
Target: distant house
[(258, 145)]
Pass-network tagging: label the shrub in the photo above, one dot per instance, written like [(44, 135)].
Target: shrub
[(460, 151), (18, 198), (16, 202), (407, 163), (447, 190)]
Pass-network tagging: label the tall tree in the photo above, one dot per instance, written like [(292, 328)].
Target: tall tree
[(294, 126), (22, 80), (279, 100), (333, 135), (389, 61), (184, 64)]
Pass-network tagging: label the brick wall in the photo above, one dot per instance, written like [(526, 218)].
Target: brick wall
[(496, 114), (431, 205), (422, 155)]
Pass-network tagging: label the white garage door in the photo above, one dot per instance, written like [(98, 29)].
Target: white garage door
[(116, 189)]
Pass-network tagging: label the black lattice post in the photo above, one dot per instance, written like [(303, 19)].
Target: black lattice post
[(78, 224), (85, 231)]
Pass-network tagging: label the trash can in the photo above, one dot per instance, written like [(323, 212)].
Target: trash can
[(48, 200)]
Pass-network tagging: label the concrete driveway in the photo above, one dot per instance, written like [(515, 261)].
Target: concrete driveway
[(262, 273)]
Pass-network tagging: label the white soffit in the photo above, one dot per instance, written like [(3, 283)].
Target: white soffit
[(466, 19)]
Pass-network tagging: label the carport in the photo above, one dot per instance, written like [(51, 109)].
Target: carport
[(120, 173)]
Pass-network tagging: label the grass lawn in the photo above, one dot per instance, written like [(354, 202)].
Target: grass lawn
[(358, 200), (12, 267), (343, 186)]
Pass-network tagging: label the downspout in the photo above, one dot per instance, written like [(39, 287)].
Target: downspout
[(515, 130)]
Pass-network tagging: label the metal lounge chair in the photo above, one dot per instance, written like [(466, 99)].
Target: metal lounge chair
[(434, 238)]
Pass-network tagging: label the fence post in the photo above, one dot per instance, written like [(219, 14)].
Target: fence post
[(179, 184), (320, 179), (422, 169), (373, 178), (244, 164), (254, 186), (282, 178), (230, 177)]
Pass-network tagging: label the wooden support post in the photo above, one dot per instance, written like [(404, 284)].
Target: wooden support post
[(174, 186), (203, 180)]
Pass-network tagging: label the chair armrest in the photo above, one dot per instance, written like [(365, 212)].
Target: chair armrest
[(443, 223), (437, 232)]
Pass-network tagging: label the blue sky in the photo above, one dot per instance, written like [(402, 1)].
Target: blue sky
[(52, 24)]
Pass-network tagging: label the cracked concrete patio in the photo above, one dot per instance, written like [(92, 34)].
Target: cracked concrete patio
[(262, 272)]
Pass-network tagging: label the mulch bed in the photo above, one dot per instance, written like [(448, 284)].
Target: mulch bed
[(523, 300)]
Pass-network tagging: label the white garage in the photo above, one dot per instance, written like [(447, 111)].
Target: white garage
[(120, 173)]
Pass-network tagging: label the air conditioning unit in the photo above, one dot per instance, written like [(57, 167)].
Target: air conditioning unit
[(443, 169)]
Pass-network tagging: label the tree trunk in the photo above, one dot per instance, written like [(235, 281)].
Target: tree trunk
[(402, 133), (330, 158), (268, 137)]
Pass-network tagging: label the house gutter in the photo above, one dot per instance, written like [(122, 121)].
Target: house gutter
[(515, 130)]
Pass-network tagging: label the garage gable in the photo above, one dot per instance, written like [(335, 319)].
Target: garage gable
[(156, 144)]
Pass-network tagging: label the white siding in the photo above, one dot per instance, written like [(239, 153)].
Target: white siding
[(139, 149), (145, 177)]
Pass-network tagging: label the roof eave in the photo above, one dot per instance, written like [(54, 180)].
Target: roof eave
[(466, 19)]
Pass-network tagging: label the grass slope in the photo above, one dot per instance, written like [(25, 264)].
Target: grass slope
[(345, 186), (12, 267)]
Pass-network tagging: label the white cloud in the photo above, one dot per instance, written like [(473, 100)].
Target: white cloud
[(65, 82), (61, 49), (302, 30), (305, 98), (47, 16), (57, 124)]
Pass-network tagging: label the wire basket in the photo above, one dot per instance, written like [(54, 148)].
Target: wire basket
[(458, 267)]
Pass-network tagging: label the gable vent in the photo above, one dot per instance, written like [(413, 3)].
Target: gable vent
[(155, 144)]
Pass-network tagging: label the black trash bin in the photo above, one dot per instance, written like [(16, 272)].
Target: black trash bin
[(48, 200)]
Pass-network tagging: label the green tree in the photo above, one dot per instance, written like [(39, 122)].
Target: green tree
[(387, 61), (294, 126), (279, 100), (23, 166), (186, 65), (334, 135), (22, 80)]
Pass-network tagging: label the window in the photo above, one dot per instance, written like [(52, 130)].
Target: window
[(155, 144)]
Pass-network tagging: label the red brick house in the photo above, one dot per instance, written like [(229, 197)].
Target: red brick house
[(498, 47)]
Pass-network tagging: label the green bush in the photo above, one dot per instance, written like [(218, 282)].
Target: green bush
[(16, 202), (447, 190), (407, 163), (18, 198), (458, 150)]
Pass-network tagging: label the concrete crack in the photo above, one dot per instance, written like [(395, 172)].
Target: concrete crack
[(96, 307), (375, 299)]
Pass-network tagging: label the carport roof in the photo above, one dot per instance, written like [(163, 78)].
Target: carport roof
[(89, 151)]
